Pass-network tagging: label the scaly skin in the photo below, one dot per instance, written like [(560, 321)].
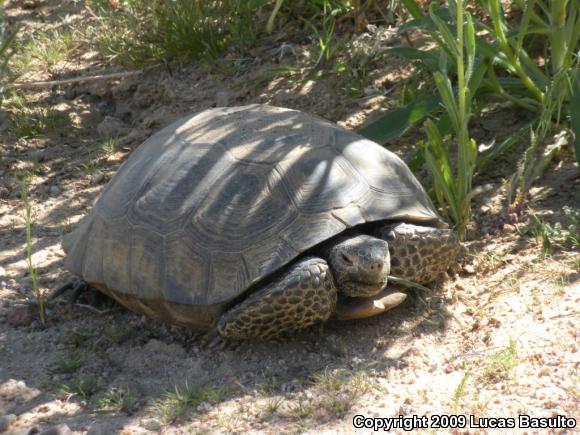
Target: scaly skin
[(356, 266), (303, 296)]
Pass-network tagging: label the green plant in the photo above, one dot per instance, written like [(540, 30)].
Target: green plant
[(301, 409), (504, 45), (7, 48), (82, 388), (453, 189), (143, 31), (116, 400), (459, 391), (533, 163), (90, 166), (174, 404), (556, 235), (325, 35), (29, 120), (52, 47), (23, 180), (499, 366), (69, 363), (271, 407), (108, 146)]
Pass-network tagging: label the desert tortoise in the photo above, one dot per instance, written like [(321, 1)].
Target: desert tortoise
[(257, 221)]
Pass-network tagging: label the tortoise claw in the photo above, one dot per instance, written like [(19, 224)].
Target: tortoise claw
[(212, 340), (78, 287)]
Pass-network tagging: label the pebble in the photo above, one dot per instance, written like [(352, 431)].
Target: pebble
[(111, 127), (54, 190), (6, 421), (19, 316), (97, 178), (61, 429), (204, 407), (468, 268)]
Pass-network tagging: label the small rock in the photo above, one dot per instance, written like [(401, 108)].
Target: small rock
[(61, 429), (161, 116), (204, 407), (223, 98), (405, 409), (125, 86), (145, 95), (96, 429), (468, 268), (54, 190), (370, 90), (545, 371), (134, 137), (6, 421), (100, 88), (111, 127), (19, 316), (97, 178), (509, 228)]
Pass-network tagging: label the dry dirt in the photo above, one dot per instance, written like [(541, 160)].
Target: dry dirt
[(499, 338)]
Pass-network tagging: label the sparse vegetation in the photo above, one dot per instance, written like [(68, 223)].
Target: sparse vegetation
[(7, 48), (142, 31), (176, 403), (459, 392), (81, 388), (116, 400), (551, 235), (499, 366), (23, 181), (69, 363), (28, 120)]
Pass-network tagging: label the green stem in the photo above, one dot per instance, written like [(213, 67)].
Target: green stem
[(514, 61), (558, 34)]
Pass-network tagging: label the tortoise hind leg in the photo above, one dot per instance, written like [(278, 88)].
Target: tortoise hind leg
[(301, 297), (78, 287)]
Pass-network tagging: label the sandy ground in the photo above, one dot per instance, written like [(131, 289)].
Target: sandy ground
[(498, 338)]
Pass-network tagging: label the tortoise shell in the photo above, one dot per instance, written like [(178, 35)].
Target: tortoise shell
[(219, 200)]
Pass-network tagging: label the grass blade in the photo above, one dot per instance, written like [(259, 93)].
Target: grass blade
[(575, 115)]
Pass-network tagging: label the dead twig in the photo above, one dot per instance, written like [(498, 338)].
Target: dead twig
[(93, 309), (112, 76), (559, 316)]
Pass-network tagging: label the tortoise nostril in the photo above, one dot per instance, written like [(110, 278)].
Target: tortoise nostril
[(376, 266)]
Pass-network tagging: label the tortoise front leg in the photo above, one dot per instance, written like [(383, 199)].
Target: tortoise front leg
[(419, 254), (301, 297)]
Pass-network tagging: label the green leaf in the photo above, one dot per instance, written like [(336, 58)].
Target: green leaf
[(575, 115), (413, 8), (445, 90), (397, 122), (502, 147), (470, 46), (426, 23), (477, 76), (429, 58), (445, 31)]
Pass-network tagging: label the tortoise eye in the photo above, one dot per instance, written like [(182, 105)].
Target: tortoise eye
[(345, 258)]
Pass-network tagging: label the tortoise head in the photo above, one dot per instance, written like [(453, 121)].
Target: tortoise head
[(359, 264)]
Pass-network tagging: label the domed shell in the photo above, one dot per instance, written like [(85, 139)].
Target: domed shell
[(220, 199)]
